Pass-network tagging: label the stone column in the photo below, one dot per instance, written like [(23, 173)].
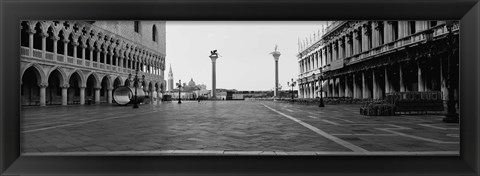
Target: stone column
[(305, 90), (376, 88), (312, 90), (402, 86), (402, 25), (364, 86), (105, 57), (83, 52), (82, 95), (109, 95), (355, 89), (214, 80), (387, 31), (300, 91), (334, 51), (364, 38), (276, 55), (331, 92), (420, 25), (65, 94), (327, 54), (312, 62), (65, 49), (421, 83), (44, 36), (347, 46), (43, 94), (346, 94), (110, 58), (334, 87), (443, 81), (341, 49), (387, 82), (30, 41), (355, 42), (55, 47), (75, 44), (379, 25), (91, 56), (97, 95), (98, 57)]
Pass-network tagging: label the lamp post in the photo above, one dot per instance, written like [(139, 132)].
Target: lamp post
[(179, 85), (451, 116), (291, 85), (135, 84)]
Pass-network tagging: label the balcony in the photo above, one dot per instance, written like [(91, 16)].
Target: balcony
[(60, 59)]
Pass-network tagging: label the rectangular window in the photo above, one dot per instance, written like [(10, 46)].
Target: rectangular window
[(136, 26), (395, 30), (381, 32), (412, 27)]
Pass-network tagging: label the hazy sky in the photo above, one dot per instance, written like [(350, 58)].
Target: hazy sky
[(245, 62)]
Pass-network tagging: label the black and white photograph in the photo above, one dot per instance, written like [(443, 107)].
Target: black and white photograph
[(291, 88)]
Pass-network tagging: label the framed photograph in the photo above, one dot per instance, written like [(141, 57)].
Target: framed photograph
[(243, 88)]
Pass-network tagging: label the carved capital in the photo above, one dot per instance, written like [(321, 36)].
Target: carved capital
[(65, 86), (54, 38), (43, 85), (44, 34)]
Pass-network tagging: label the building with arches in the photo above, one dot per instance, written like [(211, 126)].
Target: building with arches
[(71, 62), (368, 59)]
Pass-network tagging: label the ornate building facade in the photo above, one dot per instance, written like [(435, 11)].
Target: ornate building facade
[(71, 62), (368, 59)]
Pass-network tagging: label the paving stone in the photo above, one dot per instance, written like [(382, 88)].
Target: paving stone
[(226, 126)]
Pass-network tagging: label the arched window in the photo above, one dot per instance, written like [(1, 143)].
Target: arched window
[(136, 26), (154, 33)]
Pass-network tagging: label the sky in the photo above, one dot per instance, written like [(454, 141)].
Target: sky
[(244, 47)]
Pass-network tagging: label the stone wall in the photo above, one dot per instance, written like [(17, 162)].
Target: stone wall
[(144, 36)]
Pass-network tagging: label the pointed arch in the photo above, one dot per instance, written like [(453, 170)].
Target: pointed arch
[(95, 78), (117, 82), (81, 76), (157, 87), (109, 80), (63, 75), (38, 71)]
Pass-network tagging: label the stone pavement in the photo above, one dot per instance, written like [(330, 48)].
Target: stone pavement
[(231, 128)]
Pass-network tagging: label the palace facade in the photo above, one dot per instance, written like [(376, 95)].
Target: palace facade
[(71, 62), (368, 59)]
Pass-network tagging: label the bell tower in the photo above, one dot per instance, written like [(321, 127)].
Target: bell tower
[(170, 79)]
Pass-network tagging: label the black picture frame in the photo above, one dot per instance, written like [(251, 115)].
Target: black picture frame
[(12, 12)]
